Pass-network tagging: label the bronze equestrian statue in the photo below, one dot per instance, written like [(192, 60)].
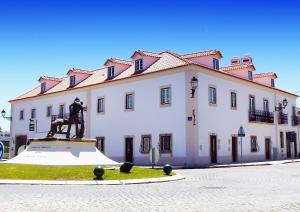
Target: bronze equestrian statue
[(76, 117)]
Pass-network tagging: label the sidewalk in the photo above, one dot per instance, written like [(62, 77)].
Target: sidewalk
[(94, 182), (263, 163)]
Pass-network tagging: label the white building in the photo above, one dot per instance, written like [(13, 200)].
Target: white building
[(146, 101)]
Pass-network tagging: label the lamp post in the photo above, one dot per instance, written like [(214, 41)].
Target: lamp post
[(194, 85), (281, 106), (241, 134), (3, 113)]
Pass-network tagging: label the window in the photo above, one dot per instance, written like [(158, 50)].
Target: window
[(43, 87), (72, 80), (212, 95), (281, 140), (165, 96), (165, 143), (129, 104), (266, 105), (250, 76), (111, 71), (100, 144), (33, 113), (139, 65), (253, 143), (61, 111), (252, 103), (233, 100), (49, 111), (146, 143), (215, 63), (100, 105), (272, 83), (21, 114)]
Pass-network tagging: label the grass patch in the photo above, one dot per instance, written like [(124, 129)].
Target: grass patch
[(32, 172)]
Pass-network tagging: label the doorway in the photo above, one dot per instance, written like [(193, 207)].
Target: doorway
[(268, 148), (291, 144), (213, 149), (234, 149), (20, 141), (129, 149)]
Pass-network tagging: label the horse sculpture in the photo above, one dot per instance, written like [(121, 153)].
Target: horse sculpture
[(76, 117)]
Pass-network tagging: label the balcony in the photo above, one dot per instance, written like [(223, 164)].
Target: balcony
[(261, 116), (282, 118), (295, 120)]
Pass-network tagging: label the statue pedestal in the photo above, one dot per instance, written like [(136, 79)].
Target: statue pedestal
[(56, 151)]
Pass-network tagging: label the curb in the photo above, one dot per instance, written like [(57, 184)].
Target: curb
[(93, 182)]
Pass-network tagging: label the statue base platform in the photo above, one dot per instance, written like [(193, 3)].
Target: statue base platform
[(62, 152)]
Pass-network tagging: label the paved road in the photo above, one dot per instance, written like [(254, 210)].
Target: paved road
[(268, 188)]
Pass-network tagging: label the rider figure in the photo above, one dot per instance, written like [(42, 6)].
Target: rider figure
[(74, 109)]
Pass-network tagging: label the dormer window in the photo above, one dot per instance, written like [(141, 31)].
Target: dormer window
[(111, 71), (272, 83), (215, 63), (72, 80), (43, 87), (250, 76), (139, 65)]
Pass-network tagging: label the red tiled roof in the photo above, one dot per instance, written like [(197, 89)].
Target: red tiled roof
[(146, 53), (115, 60), (167, 61), (237, 67), (203, 53), (75, 70), (51, 78), (269, 74)]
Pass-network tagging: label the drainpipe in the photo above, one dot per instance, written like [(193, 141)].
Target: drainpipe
[(276, 127)]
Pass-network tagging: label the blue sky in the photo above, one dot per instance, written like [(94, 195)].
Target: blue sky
[(49, 37)]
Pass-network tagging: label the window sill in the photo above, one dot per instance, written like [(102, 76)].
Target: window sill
[(165, 105), (212, 104), (128, 110), (100, 113)]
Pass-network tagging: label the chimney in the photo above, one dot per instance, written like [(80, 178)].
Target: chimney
[(247, 59), (235, 61)]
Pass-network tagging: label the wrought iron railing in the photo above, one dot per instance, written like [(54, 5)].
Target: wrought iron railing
[(261, 116), (295, 120), (282, 118)]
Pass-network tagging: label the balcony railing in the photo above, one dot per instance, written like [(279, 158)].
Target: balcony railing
[(261, 116), (282, 118), (295, 120)]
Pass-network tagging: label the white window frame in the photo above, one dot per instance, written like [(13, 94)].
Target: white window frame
[(101, 105), (43, 87), (47, 111), (111, 71), (146, 144), (139, 64), (33, 113), (165, 95), (129, 105), (216, 64), (212, 95), (250, 75), (233, 104), (22, 114), (162, 146), (72, 80)]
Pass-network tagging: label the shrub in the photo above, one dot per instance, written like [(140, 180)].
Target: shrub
[(126, 167)]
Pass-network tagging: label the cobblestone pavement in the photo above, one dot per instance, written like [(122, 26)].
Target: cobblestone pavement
[(265, 188)]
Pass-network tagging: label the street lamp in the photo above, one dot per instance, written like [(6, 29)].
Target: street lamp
[(241, 134), (3, 113), (282, 106), (194, 85)]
